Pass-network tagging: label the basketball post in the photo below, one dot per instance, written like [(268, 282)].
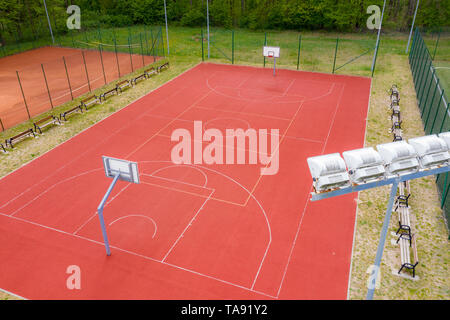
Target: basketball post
[(274, 65), (116, 169), (100, 213)]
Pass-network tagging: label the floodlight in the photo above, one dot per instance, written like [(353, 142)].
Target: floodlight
[(399, 157), (364, 165), (446, 137), (328, 172), (432, 151)]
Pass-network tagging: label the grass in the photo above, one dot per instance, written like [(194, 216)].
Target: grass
[(317, 54)]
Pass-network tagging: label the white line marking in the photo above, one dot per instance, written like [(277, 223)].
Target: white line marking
[(153, 174), (189, 224), (307, 202), (137, 254), (137, 215)]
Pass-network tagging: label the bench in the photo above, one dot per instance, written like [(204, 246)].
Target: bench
[(397, 125), (45, 122), (89, 101), (21, 136), (404, 221), (70, 111), (402, 200), (394, 103), (394, 92), (149, 72), (134, 81), (111, 92), (397, 137), (2, 147), (165, 65), (407, 242), (395, 113), (122, 85)]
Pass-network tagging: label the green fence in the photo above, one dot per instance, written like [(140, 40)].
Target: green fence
[(432, 101), (344, 54)]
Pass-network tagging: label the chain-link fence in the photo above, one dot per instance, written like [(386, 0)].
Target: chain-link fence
[(433, 102)]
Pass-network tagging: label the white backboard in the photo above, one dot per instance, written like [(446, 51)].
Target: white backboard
[(128, 170), (271, 52)]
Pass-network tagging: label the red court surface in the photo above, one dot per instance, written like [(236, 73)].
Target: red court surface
[(191, 231)]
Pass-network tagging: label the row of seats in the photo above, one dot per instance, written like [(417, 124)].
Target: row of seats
[(406, 238), (84, 105)]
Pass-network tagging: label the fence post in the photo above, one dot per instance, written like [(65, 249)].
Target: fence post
[(420, 72), (85, 68), (265, 43), (445, 116), (146, 41), (437, 109), (101, 60), (432, 99), (437, 43), (413, 47), (115, 50), (422, 104), (46, 84), (427, 74), (417, 58), (1, 123), (232, 47), (129, 49), (23, 95), (203, 54), (444, 191), (299, 48), (435, 116), (68, 80), (142, 49), (153, 45), (335, 53)]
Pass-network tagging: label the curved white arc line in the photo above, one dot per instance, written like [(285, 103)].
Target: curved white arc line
[(137, 215), (324, 95), (177, 166), (251, 195), (227, 118), (244, 99)]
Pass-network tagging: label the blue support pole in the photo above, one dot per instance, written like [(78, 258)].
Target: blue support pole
[(382, 241), (100, 213)]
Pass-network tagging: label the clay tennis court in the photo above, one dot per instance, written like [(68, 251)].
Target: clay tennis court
[(191, 231), (62, 85)]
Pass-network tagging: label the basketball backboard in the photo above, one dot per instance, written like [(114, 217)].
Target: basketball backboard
[(271, 52), (128, 170)]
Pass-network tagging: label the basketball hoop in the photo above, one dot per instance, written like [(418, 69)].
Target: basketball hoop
[(272, 52)]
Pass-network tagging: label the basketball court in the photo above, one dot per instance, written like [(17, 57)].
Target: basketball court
[(191, 231)]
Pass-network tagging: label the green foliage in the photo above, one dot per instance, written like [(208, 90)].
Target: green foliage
[(26, 20)]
